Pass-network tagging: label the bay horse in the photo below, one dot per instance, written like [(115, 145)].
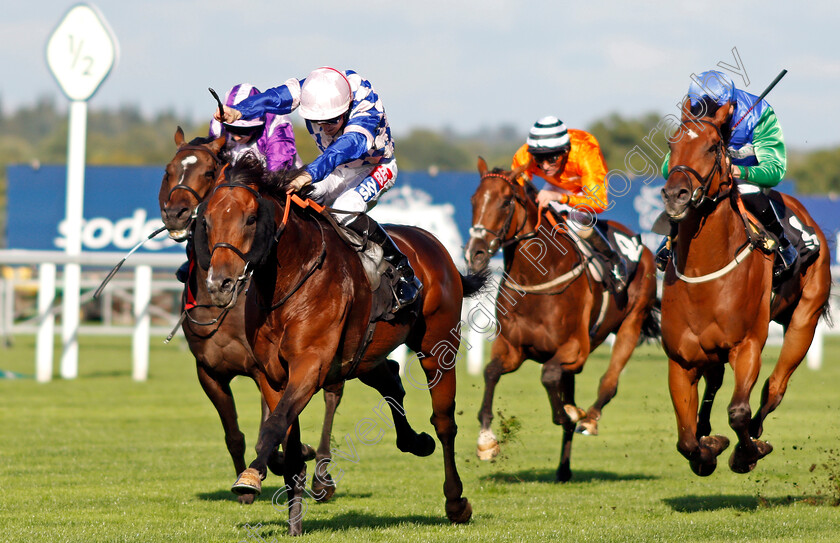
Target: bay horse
[(551, 311), (217, 338), (718, 299), (307, 319)]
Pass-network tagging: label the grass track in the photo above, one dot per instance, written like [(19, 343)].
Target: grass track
[(103, 458)]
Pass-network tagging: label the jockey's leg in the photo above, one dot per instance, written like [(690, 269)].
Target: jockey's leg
[(597, 238), (759, 204), (362, 197)]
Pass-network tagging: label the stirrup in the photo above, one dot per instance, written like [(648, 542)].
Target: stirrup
[(406, 292), (618, 277), (663, 255)]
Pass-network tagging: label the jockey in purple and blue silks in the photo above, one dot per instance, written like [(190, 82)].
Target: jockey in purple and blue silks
[(269, 137), (755, 149), (356, 166)]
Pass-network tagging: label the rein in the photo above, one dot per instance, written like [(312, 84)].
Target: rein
[(498, 242)]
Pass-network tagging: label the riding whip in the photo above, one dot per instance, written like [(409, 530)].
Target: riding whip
[(762, 95), (221, 107), (121, 262)]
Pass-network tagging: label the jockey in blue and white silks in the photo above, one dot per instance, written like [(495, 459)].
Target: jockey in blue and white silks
[(347, 120)]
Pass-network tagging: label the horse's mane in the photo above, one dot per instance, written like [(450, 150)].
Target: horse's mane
[(528, 188), (201, 140), (250, 170)]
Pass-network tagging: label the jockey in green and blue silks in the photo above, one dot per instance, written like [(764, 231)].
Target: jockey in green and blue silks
[(755, 147)]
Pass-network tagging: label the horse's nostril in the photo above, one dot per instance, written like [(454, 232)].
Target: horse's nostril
[(183, 212), (227, 285)]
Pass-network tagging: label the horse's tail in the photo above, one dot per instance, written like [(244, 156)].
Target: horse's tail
[(474, 283), (651, 326), (825, 310)]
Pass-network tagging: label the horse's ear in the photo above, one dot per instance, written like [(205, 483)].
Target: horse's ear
[(514, 175), (722, 113), (179, 137), (482, 166), (217, 144)]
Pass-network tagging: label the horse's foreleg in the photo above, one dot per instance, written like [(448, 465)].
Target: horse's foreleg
[(626, 339), (385, 379), (218, 391), (504, 359), (701, 453), (442, 389), (560, 386), (323, 486), (746, 364), (295, 479), (798, 337), (714, 379)]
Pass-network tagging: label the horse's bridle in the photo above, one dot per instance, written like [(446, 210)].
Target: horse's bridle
[(498, 241), (180, 186), (701, 193)]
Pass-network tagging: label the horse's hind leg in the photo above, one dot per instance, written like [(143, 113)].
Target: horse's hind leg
[(295, 478), (504, 358), (626, 339), (323, 486), (714, 379), (385, 379), (441, 382), (560, 386), (218, 391), (702, 452), (746, 363)]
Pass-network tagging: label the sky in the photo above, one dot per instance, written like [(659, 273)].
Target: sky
[(465, 65)]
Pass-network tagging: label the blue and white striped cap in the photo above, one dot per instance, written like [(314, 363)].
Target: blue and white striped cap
[(714, 84), (547, 135)]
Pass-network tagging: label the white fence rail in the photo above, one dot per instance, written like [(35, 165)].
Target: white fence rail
[(477, 329)]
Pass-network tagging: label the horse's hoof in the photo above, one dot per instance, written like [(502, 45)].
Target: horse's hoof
[(459, 511), (574, 412), (249, 482), (307, 452), (716, 443), (703, 469), (564, 474), (587, 427), (323, 488), (488, 446), (424, 445), (739, 462), (247, 499)]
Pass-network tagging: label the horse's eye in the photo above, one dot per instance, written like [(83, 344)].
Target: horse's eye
[(251, 220), (209, 175)]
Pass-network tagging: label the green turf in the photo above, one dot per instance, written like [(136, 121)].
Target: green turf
[(103, 458)]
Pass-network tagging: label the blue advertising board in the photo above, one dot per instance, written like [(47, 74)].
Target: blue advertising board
[(121, 207)]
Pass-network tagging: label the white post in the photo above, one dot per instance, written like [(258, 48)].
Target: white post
[(142, 324), (475, 354), (46, 323), (74, 212), (815, 352)]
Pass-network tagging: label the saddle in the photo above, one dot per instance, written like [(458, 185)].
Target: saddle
[(801, 236)]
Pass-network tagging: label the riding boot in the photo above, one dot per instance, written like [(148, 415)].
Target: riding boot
[(663, 254), (618, 271), (761, 206), (408, 286)]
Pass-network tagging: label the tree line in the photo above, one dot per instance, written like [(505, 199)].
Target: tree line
[(37, 134)]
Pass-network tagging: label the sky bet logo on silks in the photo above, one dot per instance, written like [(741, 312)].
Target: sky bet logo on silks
[(102, 233), (373, 184)]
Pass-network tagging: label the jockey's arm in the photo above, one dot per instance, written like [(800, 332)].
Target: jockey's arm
[(769, 146), (346, 148), (280, 100), (593, 190)]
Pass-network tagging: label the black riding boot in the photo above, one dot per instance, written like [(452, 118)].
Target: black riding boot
[(182, 274), (663, 254), (408, 286), (618, 271), (760, 205)]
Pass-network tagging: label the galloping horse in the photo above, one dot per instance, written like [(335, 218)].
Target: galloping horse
[(718, 300), (308, 313), (217, 338), (549, 309)]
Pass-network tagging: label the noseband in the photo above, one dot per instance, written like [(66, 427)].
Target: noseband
[(701, 193), (498, 241)]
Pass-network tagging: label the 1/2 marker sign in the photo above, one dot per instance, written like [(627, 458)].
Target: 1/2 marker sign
[(81, 52)]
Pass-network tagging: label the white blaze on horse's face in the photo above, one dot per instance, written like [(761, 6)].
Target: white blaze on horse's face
[(691, 134), (186, 163)]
